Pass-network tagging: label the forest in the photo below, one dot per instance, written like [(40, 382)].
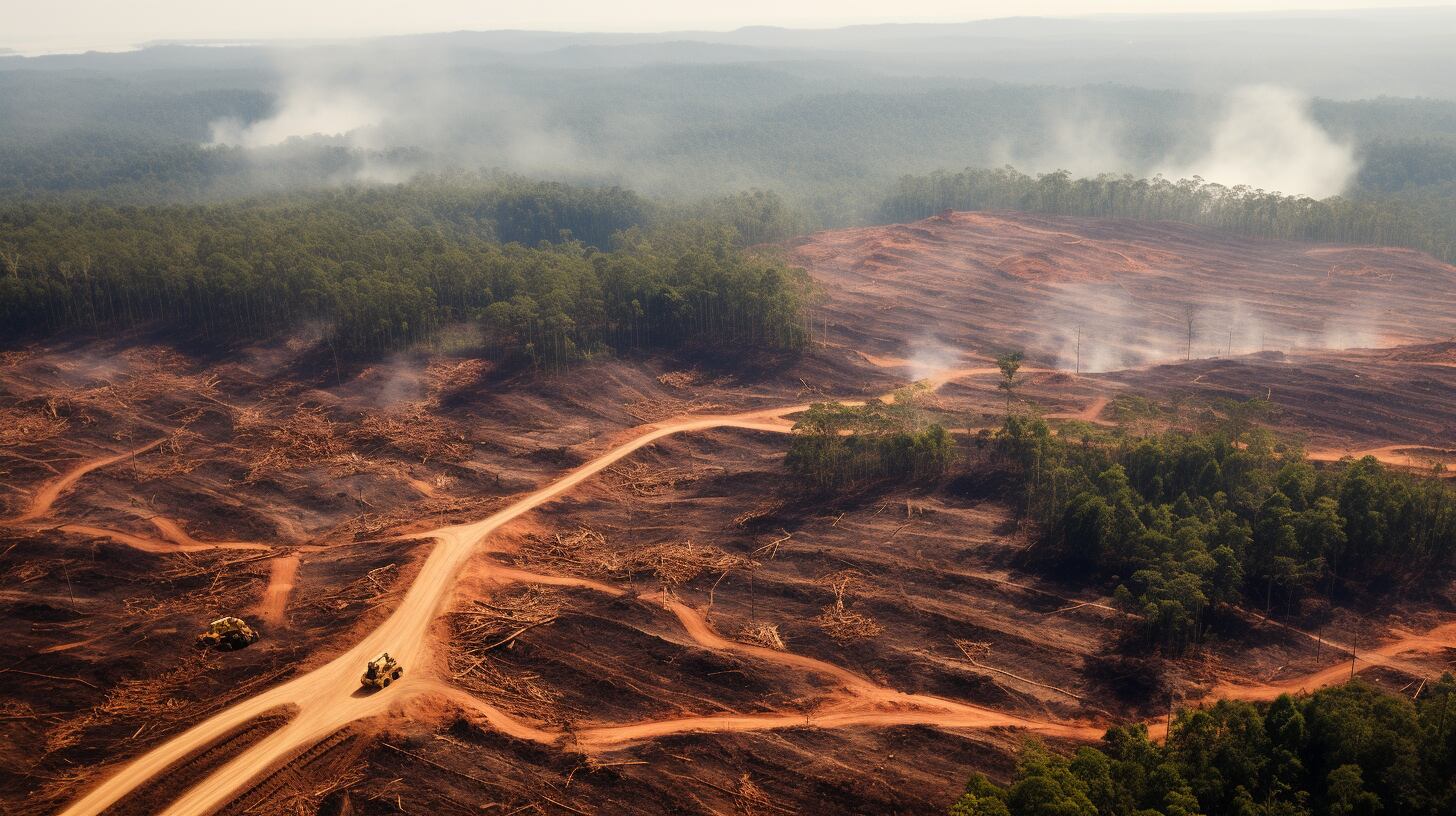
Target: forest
[(1349, 750), (1427, 224), (1184, 524), (836, 446), (551, 273)]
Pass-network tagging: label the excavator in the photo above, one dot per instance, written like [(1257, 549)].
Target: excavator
[(381, 671), (227, 634)]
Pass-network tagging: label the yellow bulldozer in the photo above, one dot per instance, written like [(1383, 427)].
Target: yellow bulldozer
[(381, 671), (227, 634)]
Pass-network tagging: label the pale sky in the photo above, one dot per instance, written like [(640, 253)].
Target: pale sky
[(37, 26)]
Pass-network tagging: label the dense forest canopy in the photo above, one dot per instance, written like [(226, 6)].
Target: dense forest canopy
[(1345, 751), (550, 272), (1186, 523)]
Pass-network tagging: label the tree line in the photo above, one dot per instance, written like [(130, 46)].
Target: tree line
[(1427, 224), (550, 272), (1186, 523), (1350, 750), (834, 445)]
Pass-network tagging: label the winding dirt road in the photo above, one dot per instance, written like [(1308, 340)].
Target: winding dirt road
[(152, 545), (864, 702), (330, 697), (40, 504)]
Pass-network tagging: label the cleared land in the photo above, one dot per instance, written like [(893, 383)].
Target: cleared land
[(607, 593)]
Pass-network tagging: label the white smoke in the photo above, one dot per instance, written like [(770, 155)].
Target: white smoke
[(1081, 139), (1267, 139), (400, 112), (304, 110), (930, 356), (1263, 137)]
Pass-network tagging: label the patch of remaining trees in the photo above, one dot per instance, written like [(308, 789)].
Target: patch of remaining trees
[(836, 445)]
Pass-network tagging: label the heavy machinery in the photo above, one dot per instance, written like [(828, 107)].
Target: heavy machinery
[(226, 634), (381, 671)]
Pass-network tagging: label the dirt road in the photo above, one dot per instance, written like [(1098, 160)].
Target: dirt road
[(281, 571), (41, 503), (1407, 456), (1438, 639), (152, 545), (330, 697)]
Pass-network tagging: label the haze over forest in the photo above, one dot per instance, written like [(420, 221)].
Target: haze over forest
[(1021, 416), (826, 118)]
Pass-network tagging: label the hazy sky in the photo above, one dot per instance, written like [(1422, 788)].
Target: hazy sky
[(53, 25)]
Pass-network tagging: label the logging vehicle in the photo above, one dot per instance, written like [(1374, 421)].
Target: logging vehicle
[(227, 634), (381, 671)]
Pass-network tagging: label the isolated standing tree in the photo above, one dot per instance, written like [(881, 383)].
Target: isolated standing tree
[(1009, 363)]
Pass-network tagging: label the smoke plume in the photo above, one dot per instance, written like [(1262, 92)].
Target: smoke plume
[(1267, 139)]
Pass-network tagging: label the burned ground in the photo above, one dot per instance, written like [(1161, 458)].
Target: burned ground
[(691, 580)]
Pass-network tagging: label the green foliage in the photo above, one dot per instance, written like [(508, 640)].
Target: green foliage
[(384, 268), (1009, 363), (1341, 751), (1186, 522), (836, 445), (1409, 222)]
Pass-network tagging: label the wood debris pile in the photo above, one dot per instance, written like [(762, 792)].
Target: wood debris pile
[(842, 624), (677, 563), (680, 379), (305, 438), (763, 634), (757, 513), (448, 377), (220, 580), (154, 701), (412, 430), (174, 456), (483, 627), (642, 480), (654, 409), (369, 589), (142, 376), (750, 800), (28, 426), (587, 552)]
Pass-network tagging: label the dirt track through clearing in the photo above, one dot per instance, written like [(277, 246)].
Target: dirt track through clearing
[(1406, 456), (280, 585), (41, 503), (172, 531), (865, 703), (1440, 638), (153, 545), (329, 697)]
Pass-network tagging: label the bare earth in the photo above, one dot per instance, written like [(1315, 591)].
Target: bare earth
[(607, 594)]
